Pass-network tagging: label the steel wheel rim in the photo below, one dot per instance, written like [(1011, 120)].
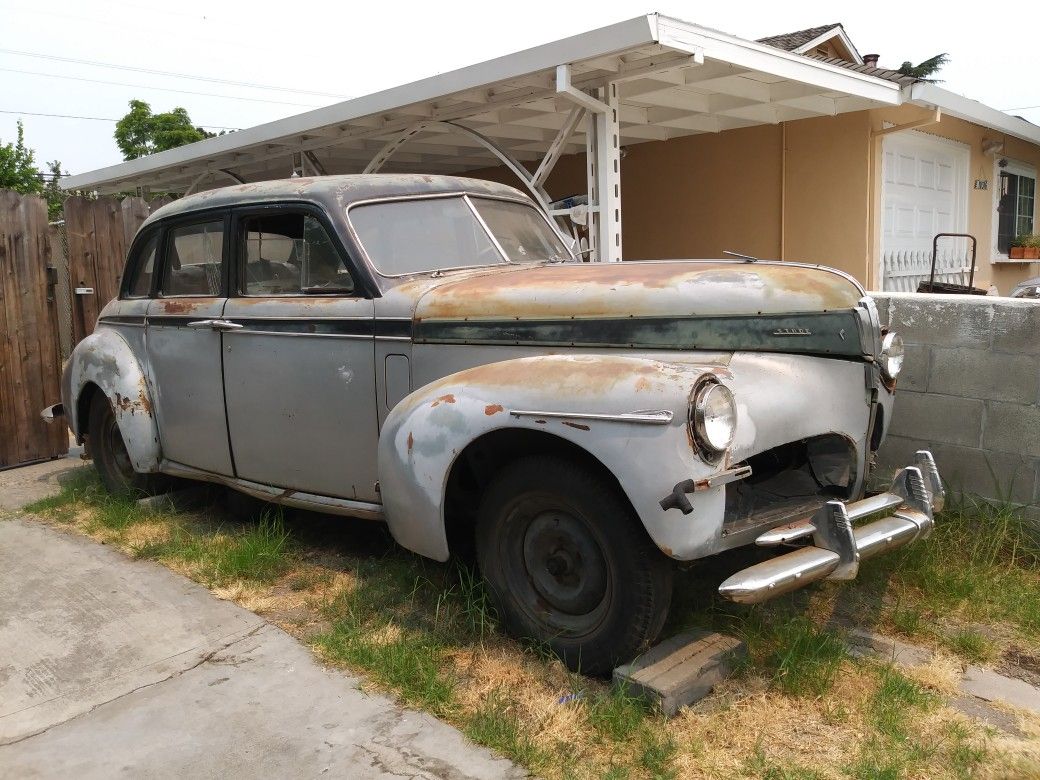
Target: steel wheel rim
[(560, 574)]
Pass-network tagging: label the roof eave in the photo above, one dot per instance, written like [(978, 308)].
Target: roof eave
[(931, 96)]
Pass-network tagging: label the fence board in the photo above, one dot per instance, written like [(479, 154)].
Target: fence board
[(98, 233), (29, 355)]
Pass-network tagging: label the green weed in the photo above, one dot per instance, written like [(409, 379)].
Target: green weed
[(616, 714), (257, 552), (970, 645), (802, 657), (494, 725), (79, 485)]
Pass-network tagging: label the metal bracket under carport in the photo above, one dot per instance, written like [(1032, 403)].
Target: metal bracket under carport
[(534, 182), (218, 172)]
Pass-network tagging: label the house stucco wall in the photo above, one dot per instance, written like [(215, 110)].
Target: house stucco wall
[(981, 203), (827, 193), (690, 197)]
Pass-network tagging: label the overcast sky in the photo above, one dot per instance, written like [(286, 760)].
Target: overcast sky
[(350, 49)]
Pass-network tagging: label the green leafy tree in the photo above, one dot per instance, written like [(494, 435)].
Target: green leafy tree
[(141, 132), (18, 166), (53, 193), (924, 70)]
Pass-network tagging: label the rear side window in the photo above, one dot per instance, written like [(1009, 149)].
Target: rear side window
[(142, 266), (290, 253), (194, 259)]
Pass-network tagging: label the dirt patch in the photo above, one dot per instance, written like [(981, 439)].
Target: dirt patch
[(1022, 665)]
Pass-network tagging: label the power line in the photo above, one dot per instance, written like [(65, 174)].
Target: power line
[(1022, 108), (97, 118), (213, 80), (163, 89)]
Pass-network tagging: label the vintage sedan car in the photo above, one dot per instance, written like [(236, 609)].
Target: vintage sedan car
[(426, 351)]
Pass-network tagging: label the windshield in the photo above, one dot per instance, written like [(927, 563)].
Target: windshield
[(431, 234)]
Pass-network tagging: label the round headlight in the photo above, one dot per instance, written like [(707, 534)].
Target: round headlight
[(891, 361), (713, 417)]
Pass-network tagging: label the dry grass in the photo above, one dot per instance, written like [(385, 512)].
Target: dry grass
[(424, 632)]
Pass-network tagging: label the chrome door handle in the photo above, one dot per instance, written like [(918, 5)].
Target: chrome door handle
[(215, 324)]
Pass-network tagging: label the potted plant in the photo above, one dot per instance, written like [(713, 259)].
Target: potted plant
[(1025, 247), (1032, 247)]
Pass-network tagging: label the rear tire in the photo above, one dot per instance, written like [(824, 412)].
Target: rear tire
[(111, 458), (568, 563)]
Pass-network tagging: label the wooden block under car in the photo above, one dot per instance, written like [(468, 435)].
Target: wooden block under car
[(681, 670)]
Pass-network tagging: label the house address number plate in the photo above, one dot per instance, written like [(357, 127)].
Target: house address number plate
[(84, 291)]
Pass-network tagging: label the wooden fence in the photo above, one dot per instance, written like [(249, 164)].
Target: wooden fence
[(98, 233), (30, 364)]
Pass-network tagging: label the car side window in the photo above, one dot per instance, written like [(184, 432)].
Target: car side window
[(290, 254), (142, 266), (194, 256)]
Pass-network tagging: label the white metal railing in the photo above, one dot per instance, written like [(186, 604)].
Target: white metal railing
[(903, 269)]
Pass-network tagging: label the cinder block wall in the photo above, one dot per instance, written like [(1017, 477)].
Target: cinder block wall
[(969, 391)]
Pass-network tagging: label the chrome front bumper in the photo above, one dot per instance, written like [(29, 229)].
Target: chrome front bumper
[(886, 521)]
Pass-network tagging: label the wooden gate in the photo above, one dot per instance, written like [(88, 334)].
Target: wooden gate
[(30, 366), (98, 233)]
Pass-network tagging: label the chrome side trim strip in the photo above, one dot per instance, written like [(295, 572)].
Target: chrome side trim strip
[(649, 417), (334, 506)]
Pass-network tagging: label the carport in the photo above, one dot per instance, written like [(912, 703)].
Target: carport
[(651, 78)]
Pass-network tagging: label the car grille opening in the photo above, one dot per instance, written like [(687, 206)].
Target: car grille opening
[(791, 480)]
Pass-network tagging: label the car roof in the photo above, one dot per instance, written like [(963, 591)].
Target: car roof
[(334, 192)]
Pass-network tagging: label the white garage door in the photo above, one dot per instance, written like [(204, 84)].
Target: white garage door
[(924, 191)]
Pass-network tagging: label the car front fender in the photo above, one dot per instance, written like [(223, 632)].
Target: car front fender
[(629, 413), (106, 360)]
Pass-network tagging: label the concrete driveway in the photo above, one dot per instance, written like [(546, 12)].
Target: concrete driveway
[(110, 666)]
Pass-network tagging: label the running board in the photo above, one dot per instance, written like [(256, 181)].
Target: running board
[(907, 514), (293, 498)]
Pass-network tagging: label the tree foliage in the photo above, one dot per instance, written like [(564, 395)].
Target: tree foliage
[(925, 69), (141, 132), (18, 166), (18, 172)]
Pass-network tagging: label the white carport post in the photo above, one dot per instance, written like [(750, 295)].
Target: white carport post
[(603, 161), (603, 150)]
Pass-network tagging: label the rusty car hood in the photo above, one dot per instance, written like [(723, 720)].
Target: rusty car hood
[(638, 289), (675, 305)]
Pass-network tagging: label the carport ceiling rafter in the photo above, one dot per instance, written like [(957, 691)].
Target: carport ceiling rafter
[(674, 79)]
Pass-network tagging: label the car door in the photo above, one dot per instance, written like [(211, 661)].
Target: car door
[(299, 371), (184, 343)]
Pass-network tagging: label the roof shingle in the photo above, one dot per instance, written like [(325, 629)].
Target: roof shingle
[(792, 40)]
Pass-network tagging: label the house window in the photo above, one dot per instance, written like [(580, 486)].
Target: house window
[(1017, 206)]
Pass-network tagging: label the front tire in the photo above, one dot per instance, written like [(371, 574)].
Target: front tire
[(568, 563), (111, 458)]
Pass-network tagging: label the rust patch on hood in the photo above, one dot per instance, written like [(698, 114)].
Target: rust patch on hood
[(633, 288), (579, 426), (491, 409), (444, 399)]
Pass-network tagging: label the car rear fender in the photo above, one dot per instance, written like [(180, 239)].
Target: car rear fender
[(105, 360), (627, 413)]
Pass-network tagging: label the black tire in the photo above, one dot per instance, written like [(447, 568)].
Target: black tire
[(111, 459), (568, 564)]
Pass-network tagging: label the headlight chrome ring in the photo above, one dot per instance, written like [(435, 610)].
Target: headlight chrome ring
[(713, 418), (891, 359)]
